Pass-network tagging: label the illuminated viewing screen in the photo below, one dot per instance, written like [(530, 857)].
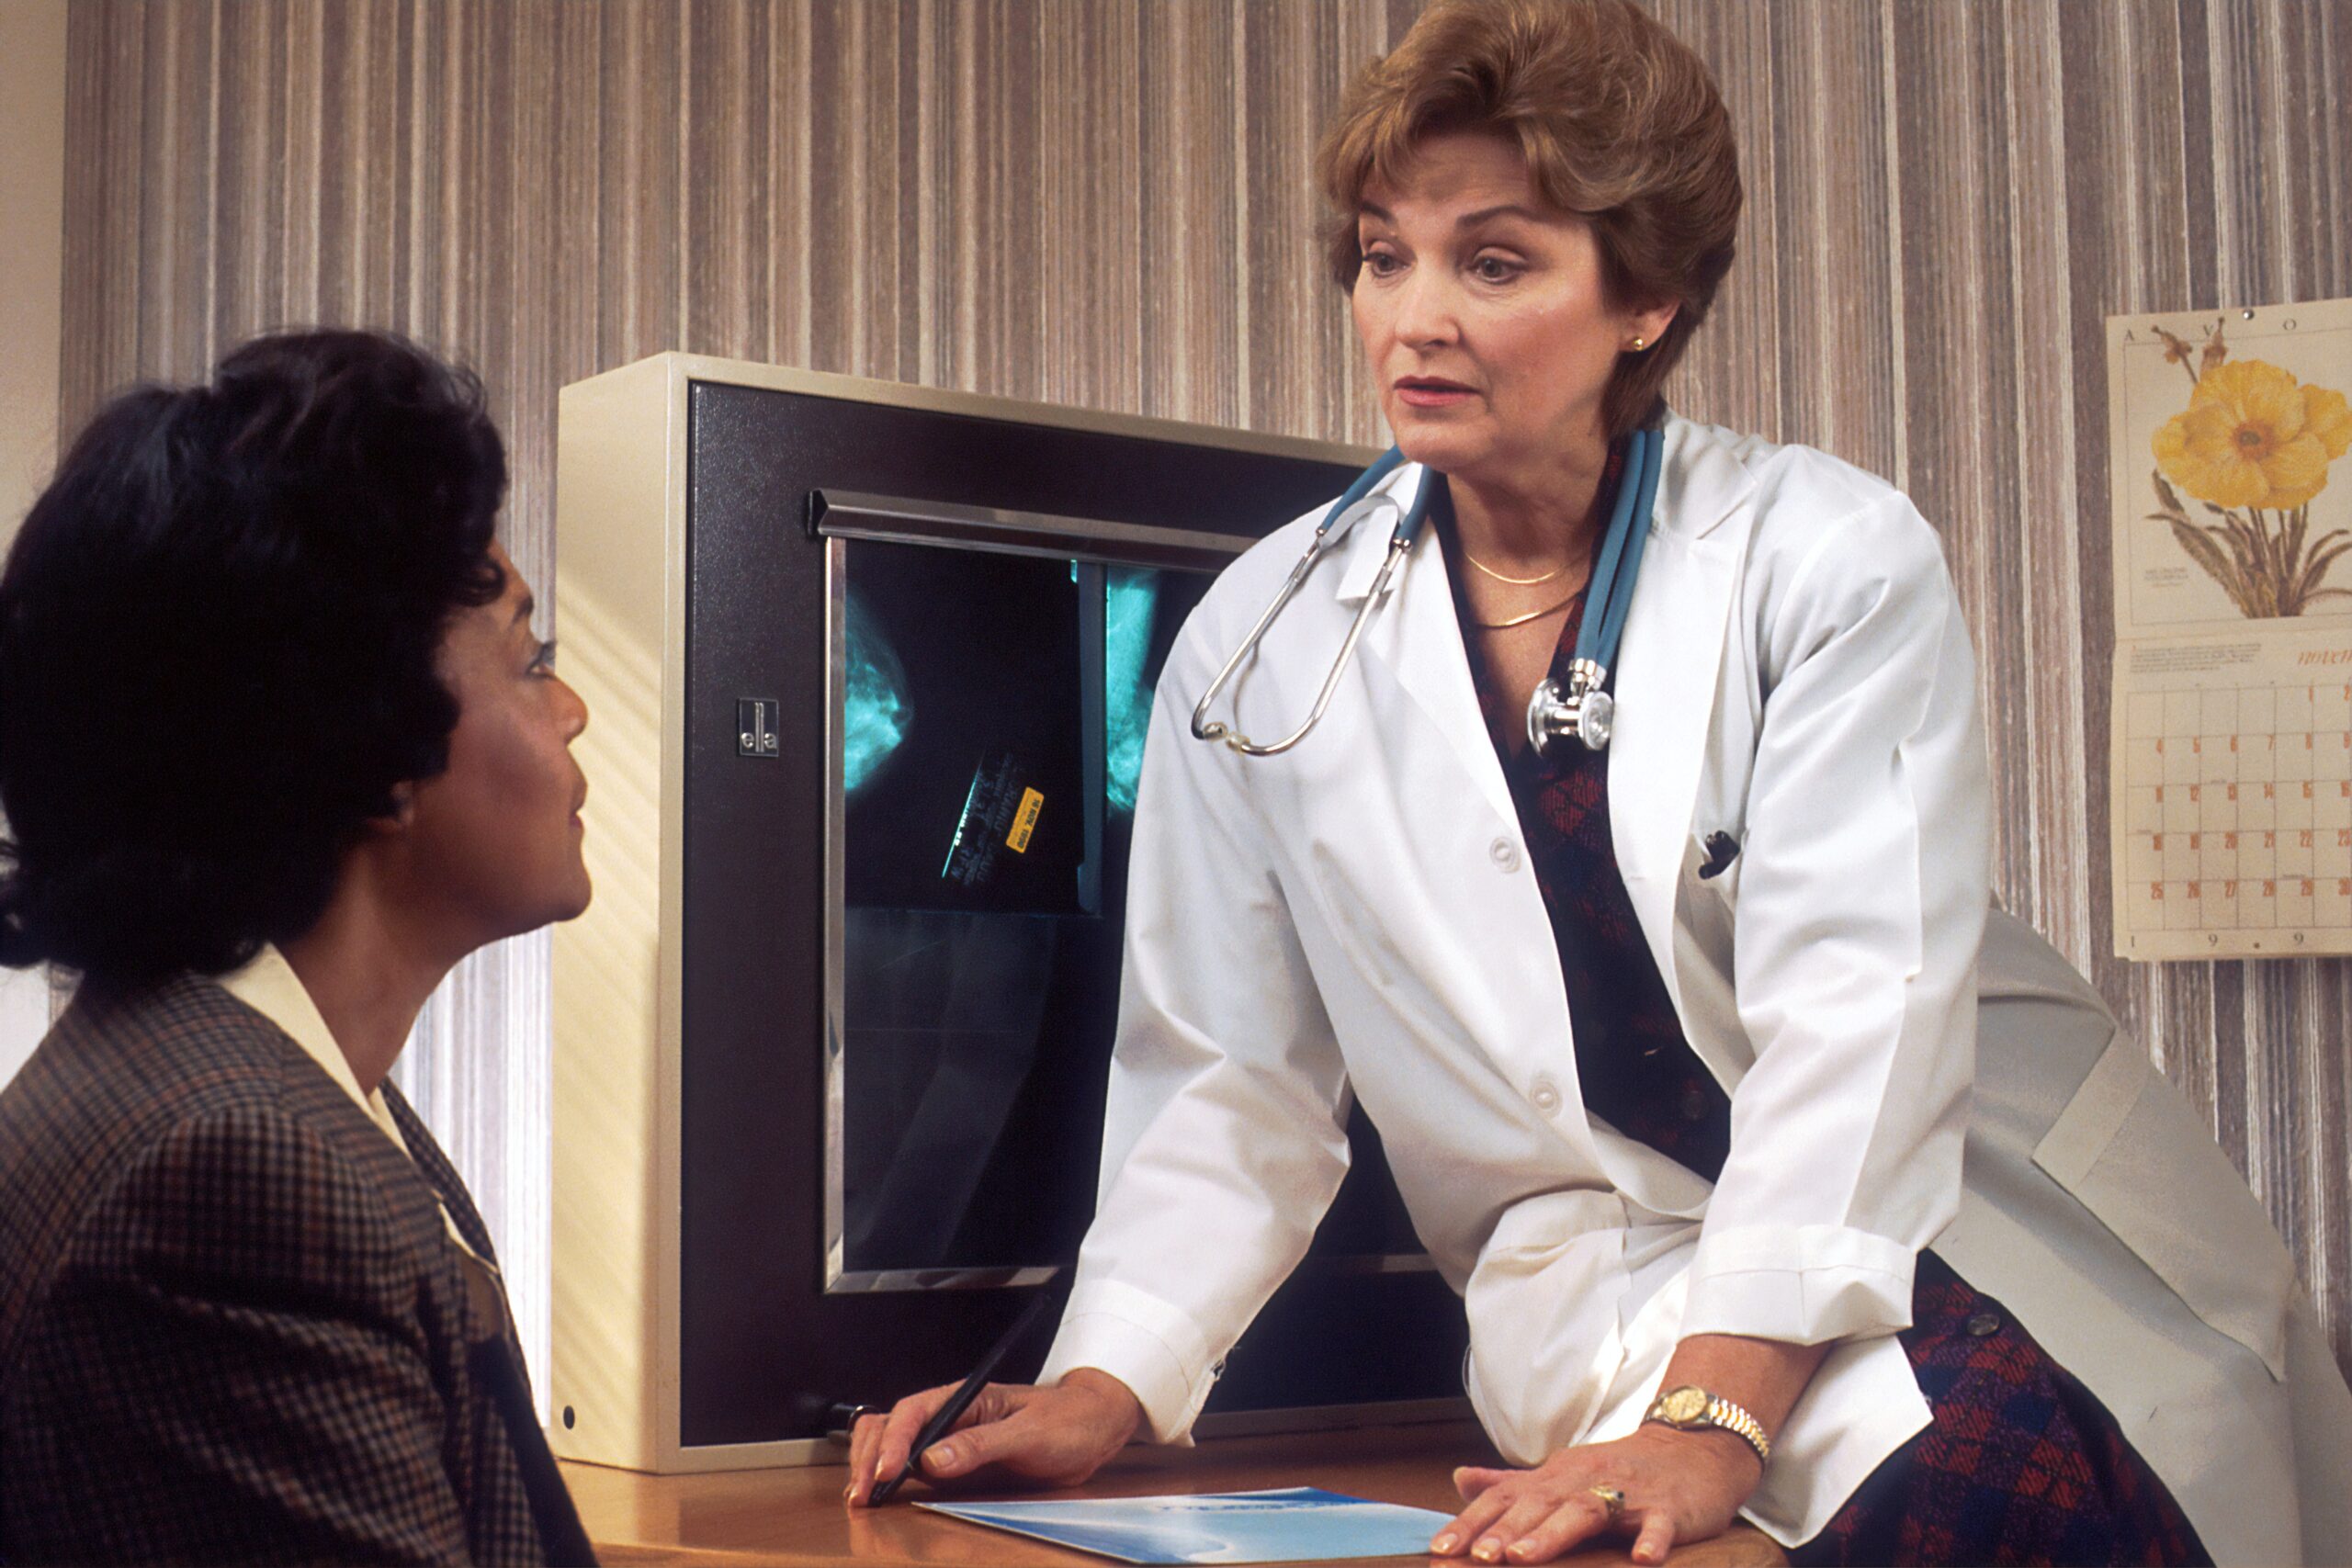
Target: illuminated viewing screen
[(992, 712)]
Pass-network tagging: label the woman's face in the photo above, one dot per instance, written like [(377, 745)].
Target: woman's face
[(494, 840), (1482, 315)]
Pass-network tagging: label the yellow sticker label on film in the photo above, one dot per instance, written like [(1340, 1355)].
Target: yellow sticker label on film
[(1024, 821)]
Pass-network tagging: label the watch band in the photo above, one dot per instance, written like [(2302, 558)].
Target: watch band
[(1691, 1408)]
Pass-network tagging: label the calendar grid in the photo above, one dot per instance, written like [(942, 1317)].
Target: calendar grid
[(2237, 819)]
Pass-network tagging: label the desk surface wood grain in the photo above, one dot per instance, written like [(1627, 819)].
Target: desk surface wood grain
[(797, 1515)]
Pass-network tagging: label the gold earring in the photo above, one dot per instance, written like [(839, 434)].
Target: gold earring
[(1640, 344)]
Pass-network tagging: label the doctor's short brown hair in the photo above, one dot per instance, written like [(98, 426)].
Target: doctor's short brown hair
[(1620, 122)]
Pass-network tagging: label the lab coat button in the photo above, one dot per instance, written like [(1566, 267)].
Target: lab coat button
[(1544, 1097), (1504, 853), (1985, 1324)]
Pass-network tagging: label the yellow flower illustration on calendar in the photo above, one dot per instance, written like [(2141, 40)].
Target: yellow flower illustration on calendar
[(2251, 449)]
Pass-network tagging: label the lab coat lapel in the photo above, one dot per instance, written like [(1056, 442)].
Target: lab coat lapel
[(1417, 639), (1667, 670)]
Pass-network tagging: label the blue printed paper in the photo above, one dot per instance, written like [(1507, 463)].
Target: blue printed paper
[(1294, 1524)]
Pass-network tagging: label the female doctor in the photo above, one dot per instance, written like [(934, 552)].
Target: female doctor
[(1670, 1033)]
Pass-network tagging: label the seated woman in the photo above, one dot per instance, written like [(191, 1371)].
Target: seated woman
[(279, 747)]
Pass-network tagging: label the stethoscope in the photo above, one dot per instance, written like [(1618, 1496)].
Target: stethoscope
[(1585, 710)]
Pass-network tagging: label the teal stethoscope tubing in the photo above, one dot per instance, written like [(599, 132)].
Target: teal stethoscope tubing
[(1621, 553), (1597, 639), (1587, 711)]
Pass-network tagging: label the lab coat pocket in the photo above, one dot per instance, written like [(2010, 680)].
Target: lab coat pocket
[(1543, 1306), (1705, 901), (2131, 1149), (1718, 860), (1710, 863)]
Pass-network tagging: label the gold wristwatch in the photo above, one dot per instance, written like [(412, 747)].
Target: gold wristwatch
[(1691, 1408)]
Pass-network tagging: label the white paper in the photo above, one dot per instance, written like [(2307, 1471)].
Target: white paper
[(1297, 1523)]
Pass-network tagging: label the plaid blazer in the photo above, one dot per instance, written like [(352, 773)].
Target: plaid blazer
[(232, 1328)]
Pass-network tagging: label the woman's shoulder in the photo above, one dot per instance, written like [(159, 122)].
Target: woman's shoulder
[(1811, 512), (122, 1063), (177, 1114), (121, 1067), (1260, 569), (1793, 486), (1242, 591)]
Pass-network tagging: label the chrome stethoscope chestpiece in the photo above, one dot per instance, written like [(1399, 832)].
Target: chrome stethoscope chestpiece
[(1584, 712)]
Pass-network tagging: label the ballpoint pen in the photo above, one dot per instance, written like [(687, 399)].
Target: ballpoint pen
[(961, 1399)]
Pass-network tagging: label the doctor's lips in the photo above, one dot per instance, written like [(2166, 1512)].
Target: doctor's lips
[(1430, 391)]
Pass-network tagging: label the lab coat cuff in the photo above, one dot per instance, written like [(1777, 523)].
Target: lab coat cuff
[(1799, 1284), (1146, 1344)]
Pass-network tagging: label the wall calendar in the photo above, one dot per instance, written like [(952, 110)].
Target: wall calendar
[(2231, 760)]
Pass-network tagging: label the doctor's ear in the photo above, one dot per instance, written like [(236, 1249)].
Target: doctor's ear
[(1645, 326)]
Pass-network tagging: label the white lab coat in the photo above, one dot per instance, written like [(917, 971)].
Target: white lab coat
[(1357, 918)]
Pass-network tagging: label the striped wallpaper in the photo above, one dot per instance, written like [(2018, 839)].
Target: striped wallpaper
[(1107, 203)]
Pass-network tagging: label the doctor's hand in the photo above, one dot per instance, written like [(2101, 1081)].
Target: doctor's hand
[(1013, 1433), (1678, 1486)]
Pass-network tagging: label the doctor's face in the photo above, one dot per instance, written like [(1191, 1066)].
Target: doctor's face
[(1482, 314)]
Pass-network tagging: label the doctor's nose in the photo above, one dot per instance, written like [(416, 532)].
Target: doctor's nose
[(1426, 307)]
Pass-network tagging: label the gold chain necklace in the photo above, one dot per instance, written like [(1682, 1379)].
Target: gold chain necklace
[(1514, 581), (1532, 615)]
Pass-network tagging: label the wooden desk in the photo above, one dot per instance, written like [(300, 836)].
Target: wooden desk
[(796, 1517)]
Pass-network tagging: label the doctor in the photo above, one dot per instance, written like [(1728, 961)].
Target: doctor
[(1670, 1043)]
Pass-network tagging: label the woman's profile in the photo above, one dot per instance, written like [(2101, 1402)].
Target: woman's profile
[(279, 747)]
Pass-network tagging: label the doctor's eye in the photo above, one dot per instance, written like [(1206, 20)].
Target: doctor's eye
[(1496, 269), (1380, 263)]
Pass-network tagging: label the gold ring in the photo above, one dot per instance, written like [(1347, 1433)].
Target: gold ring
[(1611, 1498)]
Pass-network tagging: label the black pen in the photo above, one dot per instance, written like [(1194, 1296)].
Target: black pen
[(961, 1399)]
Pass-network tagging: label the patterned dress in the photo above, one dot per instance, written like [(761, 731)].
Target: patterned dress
[(2021, 1463)]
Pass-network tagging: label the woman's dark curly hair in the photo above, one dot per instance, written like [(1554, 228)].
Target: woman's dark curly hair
[(219, 629)]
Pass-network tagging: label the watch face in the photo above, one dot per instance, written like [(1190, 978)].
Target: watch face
[(1681, 1404)]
